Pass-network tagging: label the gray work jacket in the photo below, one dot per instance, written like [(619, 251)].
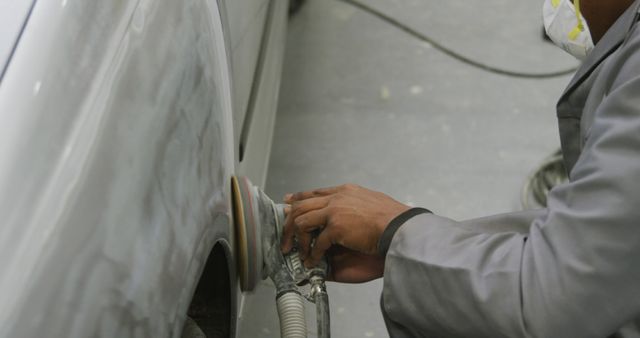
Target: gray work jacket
[(571, 270)]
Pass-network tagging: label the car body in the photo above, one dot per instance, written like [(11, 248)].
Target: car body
[(122, 125)]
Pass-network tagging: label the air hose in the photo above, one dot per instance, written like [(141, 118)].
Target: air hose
[(291, 312), (366, 7), (548, 175), (259, 225)]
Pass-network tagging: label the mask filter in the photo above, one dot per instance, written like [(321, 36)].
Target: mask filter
[(567, 28)]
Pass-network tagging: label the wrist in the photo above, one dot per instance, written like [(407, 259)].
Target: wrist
[(394, 225), (390, 215)]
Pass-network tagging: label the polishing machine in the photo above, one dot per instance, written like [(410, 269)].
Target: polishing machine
[(259, 225)]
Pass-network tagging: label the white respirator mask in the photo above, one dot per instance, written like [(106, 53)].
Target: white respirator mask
[(567, 28)]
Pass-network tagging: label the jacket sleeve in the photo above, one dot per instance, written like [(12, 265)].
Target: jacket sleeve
[(572, 270)]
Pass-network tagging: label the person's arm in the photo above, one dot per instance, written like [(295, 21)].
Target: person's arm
[(575, 274)]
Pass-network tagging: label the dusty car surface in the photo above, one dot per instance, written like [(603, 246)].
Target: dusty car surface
[(122, 124)]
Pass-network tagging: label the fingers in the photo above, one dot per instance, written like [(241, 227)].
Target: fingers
[(323, 243), (291, 228), (299, 196), (313, 219), (304, 242), (299, 208), (286, 243), (307, 223)]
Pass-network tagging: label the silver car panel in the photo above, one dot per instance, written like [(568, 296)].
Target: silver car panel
[(247, 32), (13, 16), (257, 132), (244, 62), (115, 158)]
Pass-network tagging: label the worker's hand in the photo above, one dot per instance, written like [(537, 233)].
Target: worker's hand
[(348, 266), (350, 216)]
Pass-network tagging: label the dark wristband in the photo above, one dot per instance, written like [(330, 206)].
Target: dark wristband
[(387, 236)]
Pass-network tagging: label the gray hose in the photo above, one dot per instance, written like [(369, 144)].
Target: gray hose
[(548, 175), (291, 312)]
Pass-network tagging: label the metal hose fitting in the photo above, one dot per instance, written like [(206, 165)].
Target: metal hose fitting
[(321, 299)]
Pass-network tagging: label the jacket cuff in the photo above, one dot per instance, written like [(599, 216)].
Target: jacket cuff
[(387, 236)]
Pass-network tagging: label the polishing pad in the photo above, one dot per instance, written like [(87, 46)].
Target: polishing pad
[(248, 232)]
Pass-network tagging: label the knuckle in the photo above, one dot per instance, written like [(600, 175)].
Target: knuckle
[(297, 208), (335, 221), (326, 201), (336, 198), (301, 221), (331, 211), (331, 230), (351, 186)]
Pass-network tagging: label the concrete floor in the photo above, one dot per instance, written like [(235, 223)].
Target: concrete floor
[(364, 102)]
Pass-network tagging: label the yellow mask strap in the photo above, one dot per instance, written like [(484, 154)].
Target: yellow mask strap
[(573, 35)]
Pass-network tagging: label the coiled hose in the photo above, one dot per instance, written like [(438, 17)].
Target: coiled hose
[(548, 175), (291, 312)]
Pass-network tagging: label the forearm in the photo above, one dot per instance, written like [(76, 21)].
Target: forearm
[(443, 279)]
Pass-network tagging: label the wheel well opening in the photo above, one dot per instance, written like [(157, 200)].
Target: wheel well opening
[(212, 307)]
